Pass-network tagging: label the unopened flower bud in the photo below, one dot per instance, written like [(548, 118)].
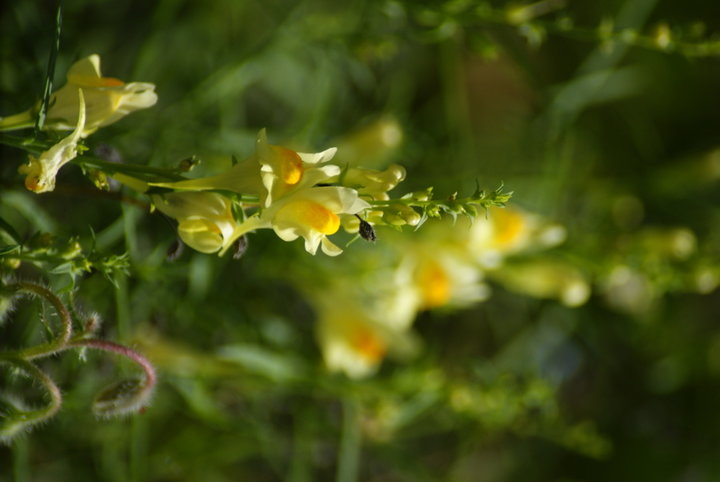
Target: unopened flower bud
[(12, 263), (92, 323), (422, 195), (99, 179), (409, 215), (187, 165), (72, 250)]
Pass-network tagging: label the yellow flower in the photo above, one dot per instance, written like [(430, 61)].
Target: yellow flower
[(444, 278), (107, 99), (41, 172), (354, 341), (284, 170), (508, 231), (272, 172), (205, 220), (372, 145), (545, 278), (312, 213)]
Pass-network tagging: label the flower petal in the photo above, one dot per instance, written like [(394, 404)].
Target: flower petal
[(329, 248), (318, 157)]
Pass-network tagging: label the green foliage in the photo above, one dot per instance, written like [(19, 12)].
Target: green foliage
[(571, 335)]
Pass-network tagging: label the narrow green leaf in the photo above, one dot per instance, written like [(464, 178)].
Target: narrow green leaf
[(10, 248), (50, 74), (7, 227)]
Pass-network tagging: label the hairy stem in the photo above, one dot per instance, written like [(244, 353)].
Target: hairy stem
[(66, 331), (122, 350)]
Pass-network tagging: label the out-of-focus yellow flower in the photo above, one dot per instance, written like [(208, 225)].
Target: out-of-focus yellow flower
[(545, 279), (629, 290), (107, 99), (507, 231), (41, 172), (372, 145), (354, 341), (443, 278), (205, 219)]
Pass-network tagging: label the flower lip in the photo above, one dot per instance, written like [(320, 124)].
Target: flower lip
[(41, 172), (291, 165), (368, 345), (309, 213)]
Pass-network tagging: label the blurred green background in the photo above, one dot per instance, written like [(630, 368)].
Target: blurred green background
[(620, 144)]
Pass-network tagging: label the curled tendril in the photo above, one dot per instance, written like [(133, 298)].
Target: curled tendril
[(123, 397), (66, 331), (15, 418)]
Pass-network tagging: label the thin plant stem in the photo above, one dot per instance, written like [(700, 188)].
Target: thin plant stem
[(59, 343), (350, 442), (122, 350), (37, 416), (21, 460)]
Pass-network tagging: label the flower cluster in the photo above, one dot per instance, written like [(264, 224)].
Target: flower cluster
[(444, 266), (85, 103), (308, 196), (292, 196)]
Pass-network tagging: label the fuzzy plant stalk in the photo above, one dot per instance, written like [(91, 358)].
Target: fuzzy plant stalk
[(120, 398)]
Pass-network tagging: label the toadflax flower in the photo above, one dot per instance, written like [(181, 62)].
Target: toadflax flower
[(270, 173), (41, 172), (106, 100), (352, 339), (205, 219), (506, 231), (312, 213)]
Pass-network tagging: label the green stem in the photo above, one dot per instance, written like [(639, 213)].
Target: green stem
[(121, 350), (691, 49), (30, 145), (485, 202), (36, 416), (35, 146), (60, 342), (350, 442), (111, 168), (21, 459), (23, 120)]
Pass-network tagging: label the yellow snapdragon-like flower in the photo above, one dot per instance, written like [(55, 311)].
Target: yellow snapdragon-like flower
[(546, 278), (443, 278), (284, 170), (507, 231), (41, 172), (311, 214), (205, 219), (106, 100), (352, 339), (270, 173)]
